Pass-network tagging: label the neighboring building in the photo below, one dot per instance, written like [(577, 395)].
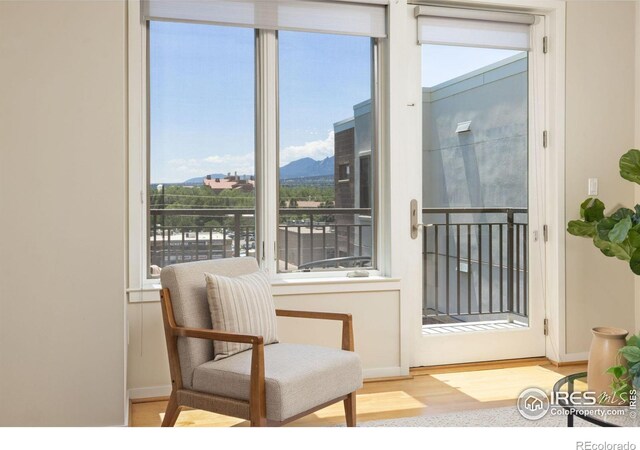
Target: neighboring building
[(173, 247), (475, 154), (303, 204), (344, 154), (234, 182), (296, 242), (481, 167), (352, 179)]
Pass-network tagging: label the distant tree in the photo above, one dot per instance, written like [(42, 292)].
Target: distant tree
[(203, 197)]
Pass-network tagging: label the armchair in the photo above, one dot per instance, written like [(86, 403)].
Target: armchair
[(269, 385)]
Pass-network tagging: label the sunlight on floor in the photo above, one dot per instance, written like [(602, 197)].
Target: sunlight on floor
[(199, 418), (500, 384), (375, 403), (367, 403)]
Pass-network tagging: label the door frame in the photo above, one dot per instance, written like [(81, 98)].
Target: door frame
[(403, 175)]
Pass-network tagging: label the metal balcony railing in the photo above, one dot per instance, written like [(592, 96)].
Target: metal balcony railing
[(223, 233), (308, 238), (475, 264), (322, 238)]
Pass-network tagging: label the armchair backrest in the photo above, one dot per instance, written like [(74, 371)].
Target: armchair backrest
[(188, 292)]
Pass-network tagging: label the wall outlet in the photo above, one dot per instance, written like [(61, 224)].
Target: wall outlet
[(593, 186)]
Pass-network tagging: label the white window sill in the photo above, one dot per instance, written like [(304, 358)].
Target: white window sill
[(293, 286), (325, 285)]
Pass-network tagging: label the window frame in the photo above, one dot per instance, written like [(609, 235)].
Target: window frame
[(347, 176), (147, 154), (143, 288), (376, 140)]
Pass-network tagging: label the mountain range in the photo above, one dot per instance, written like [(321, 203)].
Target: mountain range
[(307, 167), (300, 168)]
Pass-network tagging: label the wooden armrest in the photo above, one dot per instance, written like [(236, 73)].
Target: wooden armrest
[(346, 319), (313, 315), (216, 335)]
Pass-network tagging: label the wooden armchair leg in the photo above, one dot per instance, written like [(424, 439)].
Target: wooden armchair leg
[(172, 412), (259, 422), (350, 409)]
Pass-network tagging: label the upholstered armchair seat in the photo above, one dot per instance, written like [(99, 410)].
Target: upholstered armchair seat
[(297, 377)]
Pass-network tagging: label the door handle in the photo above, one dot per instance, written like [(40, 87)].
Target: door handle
[(415, 225)]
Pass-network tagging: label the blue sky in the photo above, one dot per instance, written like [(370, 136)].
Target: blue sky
[(202, 100), (202, 96), (442, 62), (202, 93)]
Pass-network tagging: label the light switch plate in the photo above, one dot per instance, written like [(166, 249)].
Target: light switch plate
[(593, 186)]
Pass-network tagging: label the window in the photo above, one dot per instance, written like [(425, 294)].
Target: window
[(202, 182), (325, 94), (365, 182), (343, 172), (241, 107)]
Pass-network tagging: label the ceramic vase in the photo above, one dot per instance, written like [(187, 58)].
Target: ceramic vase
[(603, 354)]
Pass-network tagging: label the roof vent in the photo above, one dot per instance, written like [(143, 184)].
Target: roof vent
[(463, 127)]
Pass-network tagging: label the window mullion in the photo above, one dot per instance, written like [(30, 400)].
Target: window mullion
[(266, 146)]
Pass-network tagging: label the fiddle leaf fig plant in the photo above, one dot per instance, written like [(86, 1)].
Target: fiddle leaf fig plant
[(616, 235)]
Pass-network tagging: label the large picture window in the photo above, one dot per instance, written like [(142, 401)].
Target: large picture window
[(253, 120)]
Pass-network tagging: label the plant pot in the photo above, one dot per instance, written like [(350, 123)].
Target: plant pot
[(606, 343)]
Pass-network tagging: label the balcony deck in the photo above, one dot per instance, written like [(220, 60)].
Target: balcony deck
[(491, 325)]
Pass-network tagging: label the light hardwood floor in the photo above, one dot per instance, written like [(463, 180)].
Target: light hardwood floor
[(428, 391)]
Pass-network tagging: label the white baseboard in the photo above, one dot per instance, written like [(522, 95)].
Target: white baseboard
[(573, 357), (127, 409), (149, 392), (383, 372)]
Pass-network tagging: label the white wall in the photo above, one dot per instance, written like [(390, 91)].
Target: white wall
[(600, 123), (62, 192)]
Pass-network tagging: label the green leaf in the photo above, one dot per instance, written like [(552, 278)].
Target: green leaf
[(630, 166), (619, 232), (604, 246), (631, 354), (634, 262), (634, 340), (621, 213), (635, 369), (604, 227), (585, 204), (634, 237), (621, 251), (594, 211), (582, 228), (617, 371)]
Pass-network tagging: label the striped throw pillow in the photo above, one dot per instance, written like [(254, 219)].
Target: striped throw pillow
[(241, 304)]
